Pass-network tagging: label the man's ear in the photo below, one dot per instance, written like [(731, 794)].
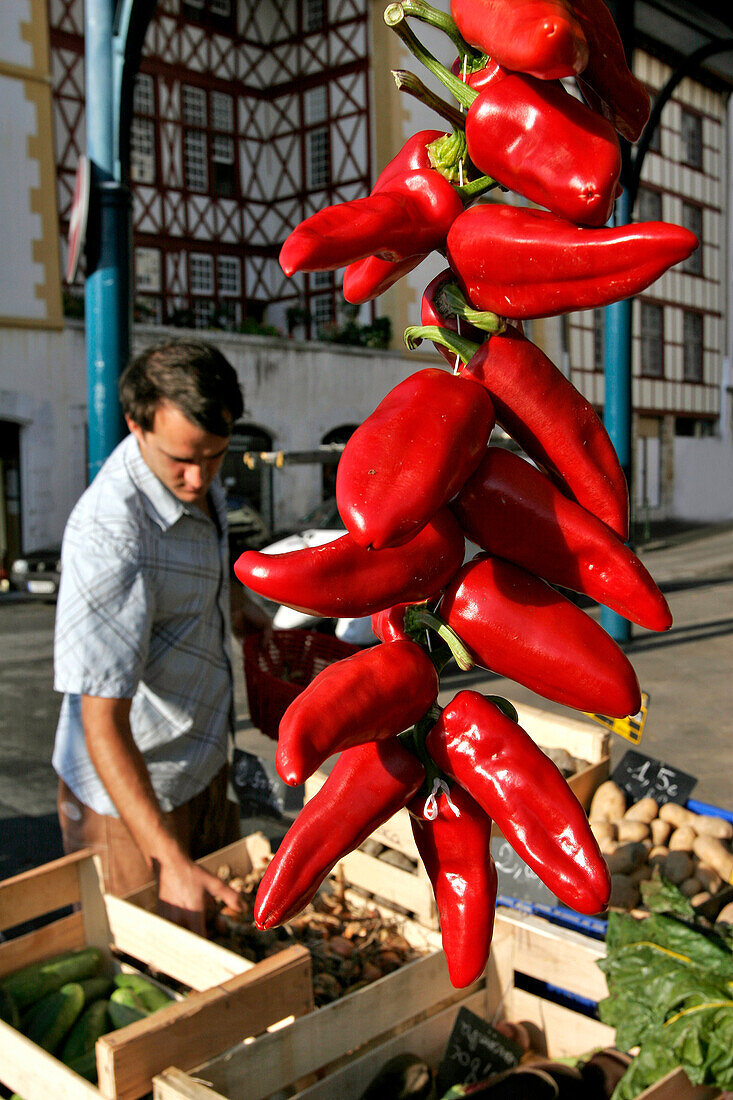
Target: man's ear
[(135, 429)]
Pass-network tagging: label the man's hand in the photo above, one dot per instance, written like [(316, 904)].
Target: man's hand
[(183, 888)]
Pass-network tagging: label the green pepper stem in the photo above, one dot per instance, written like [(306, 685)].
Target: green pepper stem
[(505, 706), (412, 85), (475, 188), (451, 301), (414, 739), (464, 349), (426, 13), (420, 616), (395, 17)]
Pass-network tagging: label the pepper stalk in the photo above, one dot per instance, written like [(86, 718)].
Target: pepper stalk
[(395, 16), (465, 349)]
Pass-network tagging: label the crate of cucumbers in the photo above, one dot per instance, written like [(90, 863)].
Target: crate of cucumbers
[(97, 995)]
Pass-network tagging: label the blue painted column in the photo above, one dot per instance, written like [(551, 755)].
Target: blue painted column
[(618, 404), (107, 288)]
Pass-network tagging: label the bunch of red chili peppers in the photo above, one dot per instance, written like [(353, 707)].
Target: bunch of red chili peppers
[(418, 477)]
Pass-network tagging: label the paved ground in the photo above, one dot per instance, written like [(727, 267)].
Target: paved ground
[(687, 673)]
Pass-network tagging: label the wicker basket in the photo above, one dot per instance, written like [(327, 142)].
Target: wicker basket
[(280, 668)]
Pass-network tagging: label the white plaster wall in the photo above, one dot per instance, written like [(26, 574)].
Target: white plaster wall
[(295, 391), (703, 480)]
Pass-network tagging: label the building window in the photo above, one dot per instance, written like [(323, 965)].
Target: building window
[(322, 311), (142, 130), (217, 14), (209, 129), (649, 205), (692, 346), (691, 135), (201, 273), (315, 104), (318, 150), (655, 141), (148, 270), (314, 15), (692, 220), (222, 145), (599, 341), (652, 340), (228, 275)]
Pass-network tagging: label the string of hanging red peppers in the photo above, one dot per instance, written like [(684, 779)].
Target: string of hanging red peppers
[(419, 476)]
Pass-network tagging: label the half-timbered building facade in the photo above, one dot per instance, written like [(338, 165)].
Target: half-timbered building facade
[(249, 115)]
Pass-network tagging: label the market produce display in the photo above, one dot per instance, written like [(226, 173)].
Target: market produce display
[(420, 474), (68, 1001)]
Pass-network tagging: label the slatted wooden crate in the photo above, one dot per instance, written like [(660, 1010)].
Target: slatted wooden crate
[(406, 886), (230, 998), (347, 1043)]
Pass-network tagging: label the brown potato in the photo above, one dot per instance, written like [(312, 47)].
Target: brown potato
[(626, 858), (646, 809), (690, 887), (658, 855), (608, 802), (714, 853), (682, 839), (603, 830), (641, 874), (629, 829), (726, 913), (677, 867), (624, 894), (677, 815), (716, 827), (661, 830), (709, 878)]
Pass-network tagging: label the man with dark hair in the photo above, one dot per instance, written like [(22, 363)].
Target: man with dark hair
[(142, 646)]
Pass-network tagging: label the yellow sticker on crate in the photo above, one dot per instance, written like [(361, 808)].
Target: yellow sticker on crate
[(630, 728)]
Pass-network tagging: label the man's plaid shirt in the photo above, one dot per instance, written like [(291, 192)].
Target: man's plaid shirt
[(143, 614)]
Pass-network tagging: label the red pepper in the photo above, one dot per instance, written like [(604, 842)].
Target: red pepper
[(509, 508), (553, 423), (366, 279), (407, 214), (453, 837), (518, 786), (607, 82), (411, 456), (523, 263), (542, 37), (368, 784), (534, 138), (518, 626), (370, 696), (389, 624), (478, 78), (343, 579)]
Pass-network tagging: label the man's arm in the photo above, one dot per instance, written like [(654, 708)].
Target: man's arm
[(182, 884)]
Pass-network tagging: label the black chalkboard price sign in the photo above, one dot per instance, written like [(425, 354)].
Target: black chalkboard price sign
[(516, 879), (643, 776), (475, 1051)]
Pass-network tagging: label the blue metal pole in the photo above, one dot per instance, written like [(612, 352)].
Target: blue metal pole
[(618, 404), (107, 288)]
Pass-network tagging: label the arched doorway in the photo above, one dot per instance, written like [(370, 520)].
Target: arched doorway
[(328, 476), (249, 492)]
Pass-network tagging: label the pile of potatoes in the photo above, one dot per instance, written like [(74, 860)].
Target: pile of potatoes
[(691, 850)]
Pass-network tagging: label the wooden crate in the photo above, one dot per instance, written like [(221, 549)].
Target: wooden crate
[(348, 1042), (408, 887), (231, 998)]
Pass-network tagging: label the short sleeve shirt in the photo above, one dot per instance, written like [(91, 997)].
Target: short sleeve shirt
[(143, 614)]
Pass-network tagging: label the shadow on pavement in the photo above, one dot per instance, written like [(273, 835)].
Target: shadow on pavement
[(28, 842), (681, 635)]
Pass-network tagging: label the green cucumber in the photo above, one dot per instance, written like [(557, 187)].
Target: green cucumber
[(125, 1007), (93, 1022), (9, 1009), (151, 995), (51, 1018), (36, 981)]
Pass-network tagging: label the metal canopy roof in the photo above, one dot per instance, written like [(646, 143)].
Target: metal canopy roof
[(683, 27)]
